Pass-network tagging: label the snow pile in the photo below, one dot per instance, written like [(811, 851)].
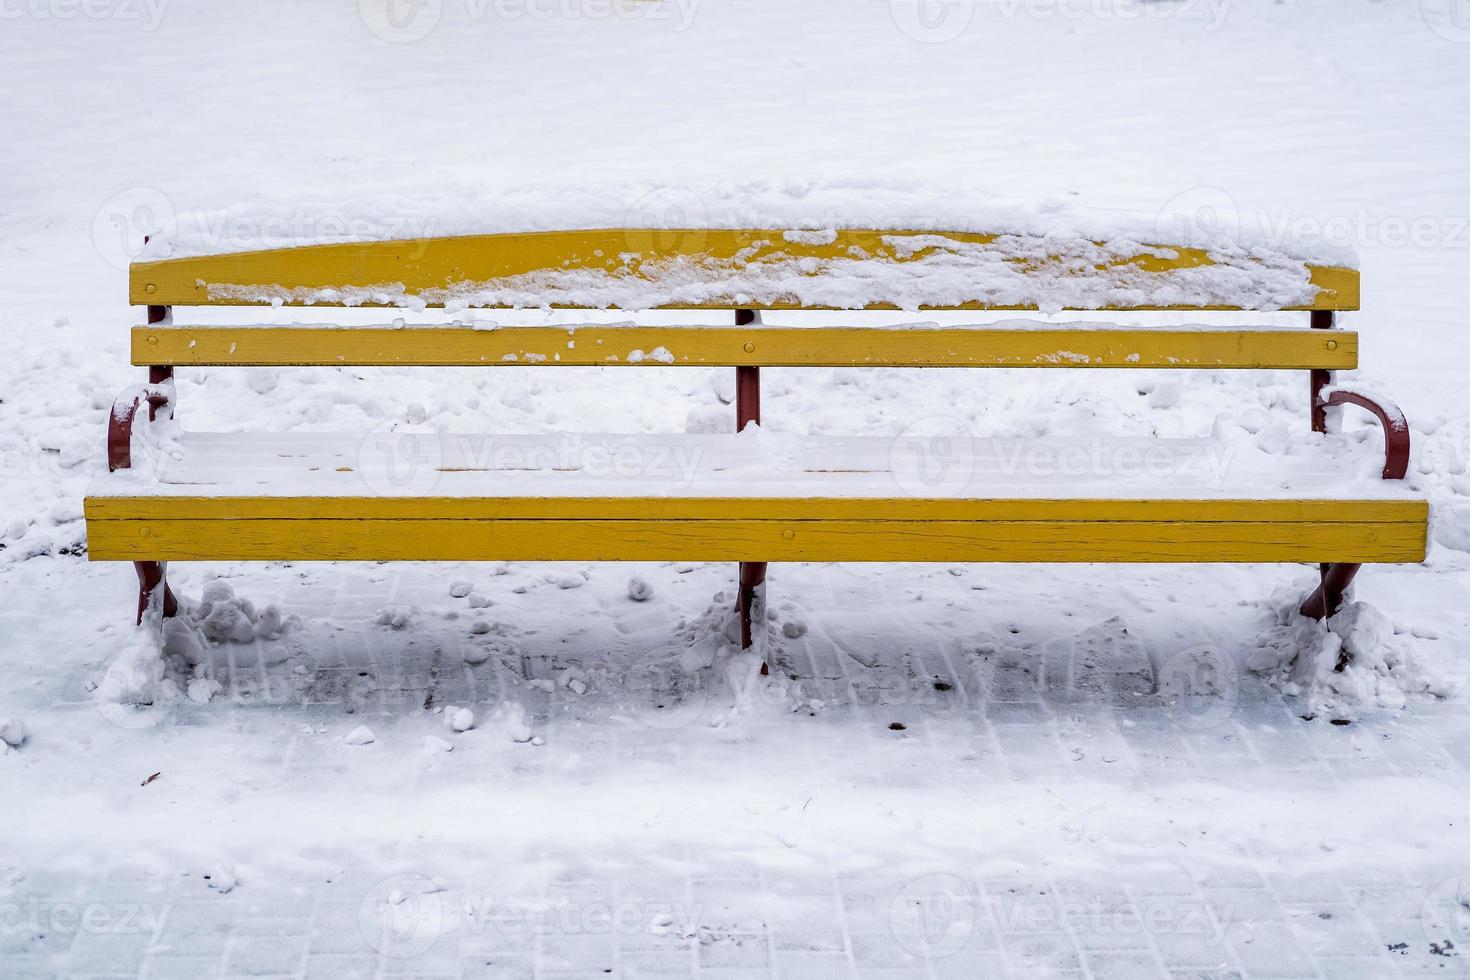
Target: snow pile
[(799, 212), (222, 616), (13, 734), (140, 673), (458, 720), (1049, 272), (164, 659), (1355, 659), (223, 878), (510, 721)]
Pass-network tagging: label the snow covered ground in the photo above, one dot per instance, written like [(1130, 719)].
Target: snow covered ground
[(981, 770)]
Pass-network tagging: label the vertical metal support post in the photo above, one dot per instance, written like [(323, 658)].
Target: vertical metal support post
[(752, 576), (158, 373), (1321, 378), (153, 575)]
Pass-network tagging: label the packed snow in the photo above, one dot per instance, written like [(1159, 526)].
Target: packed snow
[(1053, 272)]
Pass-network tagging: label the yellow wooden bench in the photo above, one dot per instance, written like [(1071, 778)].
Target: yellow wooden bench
[(746, 497)]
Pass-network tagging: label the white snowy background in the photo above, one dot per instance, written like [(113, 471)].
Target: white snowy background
[(1052, 802)]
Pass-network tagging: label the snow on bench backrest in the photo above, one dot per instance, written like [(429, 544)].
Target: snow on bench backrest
[(634, 268)]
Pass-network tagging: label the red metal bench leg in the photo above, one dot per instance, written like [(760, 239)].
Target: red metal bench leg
[(1326, 599), (752, 577), (151, 578), (748, 411), (152, 575)]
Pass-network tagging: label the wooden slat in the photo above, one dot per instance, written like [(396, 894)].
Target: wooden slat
[(770, 529), (435, 268), (151, 507), (764, 346), (753, 540)]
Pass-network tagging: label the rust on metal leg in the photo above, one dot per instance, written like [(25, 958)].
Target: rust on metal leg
[(1321, 320), (1336, 577)]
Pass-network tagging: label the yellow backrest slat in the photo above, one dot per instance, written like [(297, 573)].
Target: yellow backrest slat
[(756, 346), (731, 269)]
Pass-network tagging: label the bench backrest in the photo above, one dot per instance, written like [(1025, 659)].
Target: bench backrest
[(742, 270), (760, 269)]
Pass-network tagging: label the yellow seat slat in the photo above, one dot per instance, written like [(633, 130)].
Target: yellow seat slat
[(756, 529), (435, 269), (167, 506), (734, 346)]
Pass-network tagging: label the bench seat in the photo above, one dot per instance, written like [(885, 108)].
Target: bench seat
[(752, 496)]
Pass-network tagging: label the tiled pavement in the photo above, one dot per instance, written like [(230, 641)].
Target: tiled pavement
[(750, 925), (1112, 913)]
